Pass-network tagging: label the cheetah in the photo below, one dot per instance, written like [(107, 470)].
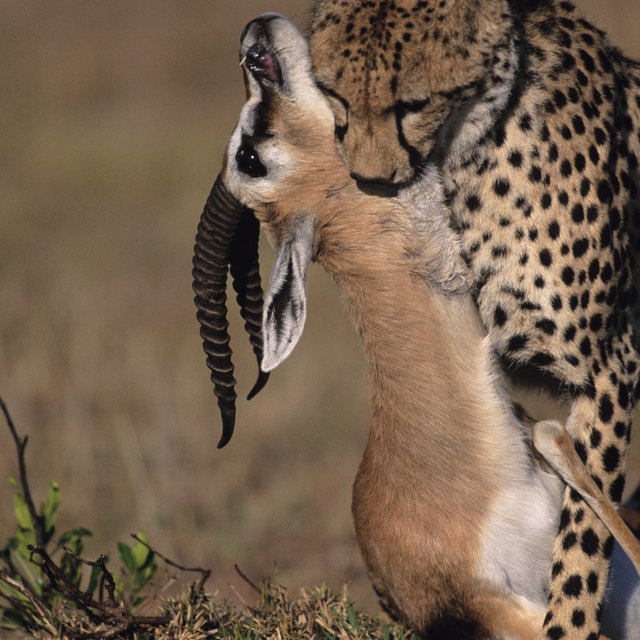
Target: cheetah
[(533, 119)]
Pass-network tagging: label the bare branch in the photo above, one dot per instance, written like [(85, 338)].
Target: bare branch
[(21, 445), (111, 632), (97, 611), (101, 563), (248, 580), (204, 573)]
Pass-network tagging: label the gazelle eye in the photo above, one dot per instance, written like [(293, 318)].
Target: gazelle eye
[(248, 161)]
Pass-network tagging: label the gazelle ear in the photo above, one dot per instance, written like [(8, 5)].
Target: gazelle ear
[(285, 307)]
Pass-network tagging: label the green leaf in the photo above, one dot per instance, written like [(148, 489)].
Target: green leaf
[(94, 578), (23, 538), (353, 618), (15, 619), (126, 555), (141, 553), (8, 591), (50, 508), (71, 567), (71, 537), (21, 511), (120, 585), (31, 573)]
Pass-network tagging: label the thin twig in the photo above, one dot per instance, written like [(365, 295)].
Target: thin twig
[(131, 624), (205, 573), (101, 563), (21, 445), (96, 611), (111, 632), (107, 580), (247, 579)]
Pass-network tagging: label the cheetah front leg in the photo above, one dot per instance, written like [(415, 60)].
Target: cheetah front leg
[(599, 427), (552, 440)]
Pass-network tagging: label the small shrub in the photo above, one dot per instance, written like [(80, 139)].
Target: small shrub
[(49, 591)]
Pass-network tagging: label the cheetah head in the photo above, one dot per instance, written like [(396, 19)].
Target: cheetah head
[(398, 75)]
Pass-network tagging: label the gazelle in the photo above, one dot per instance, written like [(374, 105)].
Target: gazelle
[(454, 516)]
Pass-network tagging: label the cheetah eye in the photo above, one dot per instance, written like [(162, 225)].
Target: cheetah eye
[(340, 108), (248, 160), (340, 131), (341, 117)]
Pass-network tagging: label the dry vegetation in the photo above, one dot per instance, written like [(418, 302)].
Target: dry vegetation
[(114, 119)]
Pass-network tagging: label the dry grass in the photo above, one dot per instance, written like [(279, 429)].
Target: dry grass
[(114, 119), (314, 614)]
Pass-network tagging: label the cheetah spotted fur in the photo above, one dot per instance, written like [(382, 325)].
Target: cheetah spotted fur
[(534, 119)]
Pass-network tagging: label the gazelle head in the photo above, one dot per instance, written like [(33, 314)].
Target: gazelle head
[(279, 164), (282, 172)]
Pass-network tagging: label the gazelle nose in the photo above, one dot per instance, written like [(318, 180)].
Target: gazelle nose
[(259, 24)]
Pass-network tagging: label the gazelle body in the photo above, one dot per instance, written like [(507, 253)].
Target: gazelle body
[(454, 517)]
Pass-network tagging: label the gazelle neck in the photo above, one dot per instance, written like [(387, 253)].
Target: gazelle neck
[(446, 473), (438, 409), (430, 366)]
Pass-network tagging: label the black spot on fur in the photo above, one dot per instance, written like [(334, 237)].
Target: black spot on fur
[(581, 450), (605, 409), (578, 618), (555, 633), (590, 542), (573, 586), (611, 458), (592, 582), (501, 187), (545, 258), (499, 316), (616, 489), (518, 342), (473, 202), (607, 547), (569, 541)]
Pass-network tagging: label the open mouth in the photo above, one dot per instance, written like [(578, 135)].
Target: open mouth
[(382, 190), (262, 63)]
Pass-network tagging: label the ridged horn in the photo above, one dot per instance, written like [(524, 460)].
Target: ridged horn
[(217, 230), (245, 273)]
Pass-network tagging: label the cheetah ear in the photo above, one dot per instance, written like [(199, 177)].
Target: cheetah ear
[(285, 307)]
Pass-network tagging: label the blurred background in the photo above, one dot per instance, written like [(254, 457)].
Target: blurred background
[(113, 120)]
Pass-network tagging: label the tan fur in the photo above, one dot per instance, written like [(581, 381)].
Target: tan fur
[(418, 504), (552, 440), (420, 548), (365, 68), (630, 512), (438, 457), (543, 188)]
